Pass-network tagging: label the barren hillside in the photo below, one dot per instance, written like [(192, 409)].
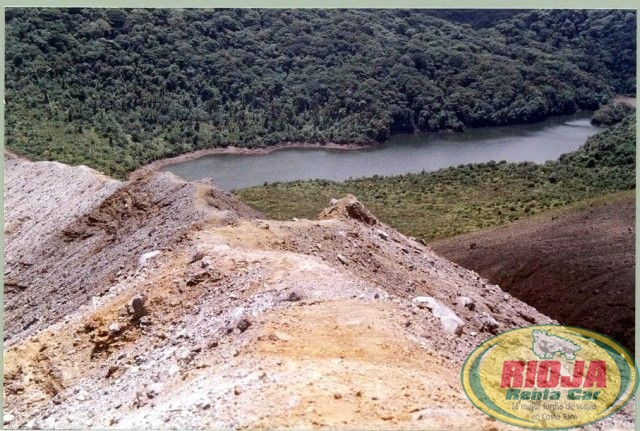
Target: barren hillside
[(575, 265), (165, 304)]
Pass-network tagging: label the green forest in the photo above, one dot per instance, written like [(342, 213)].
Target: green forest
[(117, 88), (465, 198)]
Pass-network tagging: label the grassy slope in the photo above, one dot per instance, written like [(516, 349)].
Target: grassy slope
[(462, 199)]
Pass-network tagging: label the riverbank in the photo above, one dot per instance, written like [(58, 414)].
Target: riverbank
[(401, 154), (166, 162), (456, 200)]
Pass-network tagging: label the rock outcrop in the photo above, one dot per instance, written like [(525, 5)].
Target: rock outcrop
[(70, 232)]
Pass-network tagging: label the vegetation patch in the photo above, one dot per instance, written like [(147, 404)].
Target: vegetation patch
[(612, 113), (465, 198)]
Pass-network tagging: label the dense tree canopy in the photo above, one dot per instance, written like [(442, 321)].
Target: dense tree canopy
[(117, 88)]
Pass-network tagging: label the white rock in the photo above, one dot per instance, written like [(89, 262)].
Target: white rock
[(489, 323), (293, 401), (8, 417), (281, 336), (50, 423), (449, 319), (465, 301), (146, 257)]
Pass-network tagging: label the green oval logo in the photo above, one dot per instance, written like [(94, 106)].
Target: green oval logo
[(549, 377)]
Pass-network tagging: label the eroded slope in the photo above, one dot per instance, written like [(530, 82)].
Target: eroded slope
[(70, 232), (241, 322)]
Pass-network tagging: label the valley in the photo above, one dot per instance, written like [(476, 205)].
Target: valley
[(310, 218)]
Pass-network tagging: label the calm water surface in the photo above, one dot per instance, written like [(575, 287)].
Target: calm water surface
[(401, 154)]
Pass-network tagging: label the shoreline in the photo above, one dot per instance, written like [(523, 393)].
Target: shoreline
[(197, 154), (159, 164)]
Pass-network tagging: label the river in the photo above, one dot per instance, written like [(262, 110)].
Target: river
[(402, 154)]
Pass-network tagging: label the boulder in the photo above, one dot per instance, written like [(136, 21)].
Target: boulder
[(243, 325), (136, 306), (349, 208), (114, 328), (489, 324), (382, 234), (467, 302), (8, 417), (448, 318), (154, 389)]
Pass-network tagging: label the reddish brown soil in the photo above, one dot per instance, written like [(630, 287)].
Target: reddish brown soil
[(576, 266)]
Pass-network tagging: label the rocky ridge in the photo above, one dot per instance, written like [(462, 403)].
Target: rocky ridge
[(157, 303)]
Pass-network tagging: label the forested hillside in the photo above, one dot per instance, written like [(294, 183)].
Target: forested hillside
[(115, 89)]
